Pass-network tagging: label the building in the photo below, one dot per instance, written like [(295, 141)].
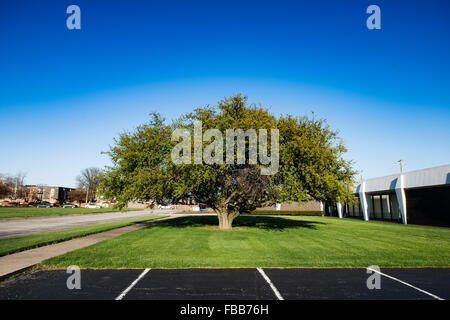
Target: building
[(311, 205), (416, 197), (52, 194)]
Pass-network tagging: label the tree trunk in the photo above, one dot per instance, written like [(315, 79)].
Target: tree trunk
[(225, 220)]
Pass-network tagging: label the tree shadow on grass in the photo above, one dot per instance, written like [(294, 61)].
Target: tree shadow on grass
[(264, 223)]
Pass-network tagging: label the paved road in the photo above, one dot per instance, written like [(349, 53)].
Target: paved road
[(232, 284), (22, 226)]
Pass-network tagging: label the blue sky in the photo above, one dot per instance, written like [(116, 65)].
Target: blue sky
[(65, 94)]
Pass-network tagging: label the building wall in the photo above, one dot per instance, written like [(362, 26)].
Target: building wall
[(312, 205), (428, 206), (32, 193), (415, 197)]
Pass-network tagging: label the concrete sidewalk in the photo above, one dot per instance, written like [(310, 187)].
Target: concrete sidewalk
[(21, 226), (18, 261)]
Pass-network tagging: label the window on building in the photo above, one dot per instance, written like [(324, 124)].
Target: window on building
[(385, 207), (377, 207), (395, 210)]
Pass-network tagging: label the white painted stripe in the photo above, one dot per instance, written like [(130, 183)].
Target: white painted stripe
[(406, 284), (123, 294), (274, 289)]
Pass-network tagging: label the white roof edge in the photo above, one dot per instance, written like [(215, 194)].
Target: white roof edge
[(439, 175), (409, 172)]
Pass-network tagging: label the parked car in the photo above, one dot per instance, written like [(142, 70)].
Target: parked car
[(69, 205), (93, 206), (5, 203), (43, 205), (166, 207)]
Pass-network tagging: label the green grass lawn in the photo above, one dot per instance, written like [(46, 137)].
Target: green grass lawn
[(26, 212), (267, 242), (20, 243)]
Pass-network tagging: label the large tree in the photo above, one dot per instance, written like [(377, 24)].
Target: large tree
[(303, 160)]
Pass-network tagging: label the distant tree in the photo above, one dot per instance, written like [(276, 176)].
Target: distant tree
[(311, 163), (5, 190), (19, 180), (14, 183), (88, 180)]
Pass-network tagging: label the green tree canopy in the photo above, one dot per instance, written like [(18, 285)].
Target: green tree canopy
[(310, 163)]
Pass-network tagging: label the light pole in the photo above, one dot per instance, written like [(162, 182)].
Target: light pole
[(401, 167)]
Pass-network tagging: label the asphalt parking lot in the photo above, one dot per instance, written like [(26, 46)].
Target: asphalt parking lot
[(231, 284)]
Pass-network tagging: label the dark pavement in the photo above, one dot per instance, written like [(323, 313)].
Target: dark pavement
[(231, 284)]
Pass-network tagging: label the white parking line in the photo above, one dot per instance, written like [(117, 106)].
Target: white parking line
[(406, 284), (124, 292), (274, 289)]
